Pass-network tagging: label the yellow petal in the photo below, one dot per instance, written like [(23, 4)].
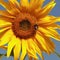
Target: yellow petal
[(54, 20), (4, 29), (32, 54), (4, 23), (5, 13), (15, 2), (11, 45), (54, 26), (17, 49), (24, 3), (41, 40), (38, 50), (54, 33), (3, 47), (48, 20), (7, 19), (39, 5), (15, 6), (45, 10), (24, 49), (36, 4), (33, 2), (39, 45), (31, 49), (6, 5), (31, 45), (30, 58), (50, 44), (6, 38), (35, 59), (50, 33)]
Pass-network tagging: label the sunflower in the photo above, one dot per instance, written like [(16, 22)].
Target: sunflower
[(26, 27)]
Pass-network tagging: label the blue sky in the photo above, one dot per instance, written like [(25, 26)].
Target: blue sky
[(55, 12)]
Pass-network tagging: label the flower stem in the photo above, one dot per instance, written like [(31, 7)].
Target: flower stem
[(57, 54)]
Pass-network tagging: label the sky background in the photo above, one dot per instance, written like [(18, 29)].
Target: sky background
[(55, 12)]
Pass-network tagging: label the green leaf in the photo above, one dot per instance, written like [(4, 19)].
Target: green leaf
[(1, 55)]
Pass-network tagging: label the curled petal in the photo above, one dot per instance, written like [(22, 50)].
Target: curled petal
[(46, 9)]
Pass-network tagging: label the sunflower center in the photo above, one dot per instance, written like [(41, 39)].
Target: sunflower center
[(25, 25)]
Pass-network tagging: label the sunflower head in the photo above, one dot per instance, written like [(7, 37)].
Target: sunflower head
[(27, 27)]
